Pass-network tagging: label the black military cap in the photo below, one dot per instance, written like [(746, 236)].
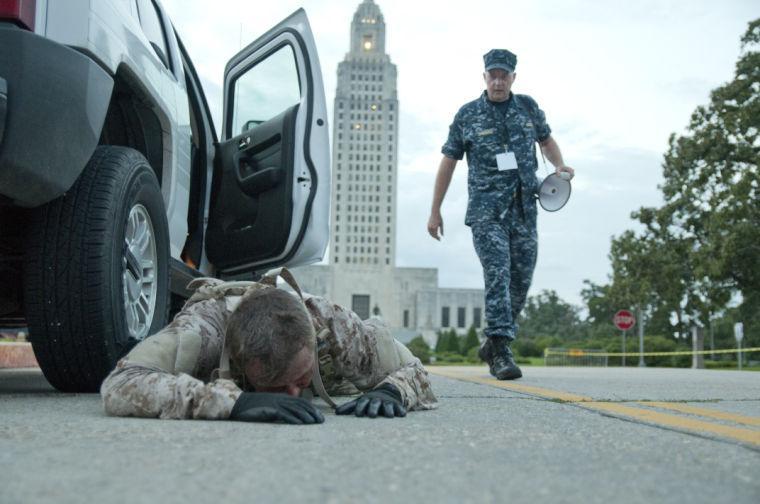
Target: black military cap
[(500, 58)]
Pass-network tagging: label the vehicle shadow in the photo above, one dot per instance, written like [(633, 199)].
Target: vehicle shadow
[(24, 381)]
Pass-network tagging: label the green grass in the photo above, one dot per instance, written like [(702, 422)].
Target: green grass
[(443, 364), (729, 365), (534, 361), (744, 368)]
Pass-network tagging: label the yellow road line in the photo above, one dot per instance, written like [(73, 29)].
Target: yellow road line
[(641, 414), (705, 412), (678, 422)]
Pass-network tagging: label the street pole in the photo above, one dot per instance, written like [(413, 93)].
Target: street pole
[(740, 355), (697, 346), (641, 339), (739, 335), (624, 347)]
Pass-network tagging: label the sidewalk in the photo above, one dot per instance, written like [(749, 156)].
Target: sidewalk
[(17, 355)]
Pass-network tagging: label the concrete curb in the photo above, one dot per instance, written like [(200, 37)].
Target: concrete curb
[(17, 355)]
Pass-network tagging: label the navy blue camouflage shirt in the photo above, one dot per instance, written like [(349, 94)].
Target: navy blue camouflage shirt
[(483, 129)]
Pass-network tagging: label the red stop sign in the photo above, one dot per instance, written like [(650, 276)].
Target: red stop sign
[(624, 320)]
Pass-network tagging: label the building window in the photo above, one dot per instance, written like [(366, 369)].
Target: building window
[(360, 305), (406, 318), (460, 317), (476, 314), (445, 316)]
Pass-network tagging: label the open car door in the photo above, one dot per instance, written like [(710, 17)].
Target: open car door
[(271, 189)]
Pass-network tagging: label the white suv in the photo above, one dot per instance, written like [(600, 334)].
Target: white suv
[(114, 189)]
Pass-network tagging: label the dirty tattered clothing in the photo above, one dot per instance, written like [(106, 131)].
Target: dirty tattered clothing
[(170, 374), (501, 209)]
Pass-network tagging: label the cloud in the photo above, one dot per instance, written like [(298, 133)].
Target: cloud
[(614, 78)]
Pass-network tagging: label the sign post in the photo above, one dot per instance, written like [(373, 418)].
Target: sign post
[(624, 320), (739, 335), (641, 338)]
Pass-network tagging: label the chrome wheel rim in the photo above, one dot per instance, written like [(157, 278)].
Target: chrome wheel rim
[(139, 272)]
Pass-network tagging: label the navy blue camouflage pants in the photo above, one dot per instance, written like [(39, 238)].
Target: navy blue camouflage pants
[(507, 250)]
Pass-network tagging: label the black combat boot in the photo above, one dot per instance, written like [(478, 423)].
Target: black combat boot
[(485, 351), (498, 355)]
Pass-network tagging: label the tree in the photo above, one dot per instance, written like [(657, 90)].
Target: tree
[(420, 349), (452, 342), (702, 246), (447, 342), (440, 341), (548, 315), (470, 341), (711, 189)]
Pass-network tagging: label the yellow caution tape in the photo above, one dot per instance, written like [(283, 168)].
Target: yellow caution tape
[(577, 353)]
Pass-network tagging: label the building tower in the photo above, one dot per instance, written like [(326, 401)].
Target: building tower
[(365, 146)]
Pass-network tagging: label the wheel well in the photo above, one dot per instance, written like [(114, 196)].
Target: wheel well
[(134, 120)]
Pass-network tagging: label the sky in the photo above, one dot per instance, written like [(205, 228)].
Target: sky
[(615, 79)]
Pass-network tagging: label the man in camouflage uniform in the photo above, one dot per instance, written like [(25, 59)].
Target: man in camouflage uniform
[(175, 373), (498, 132)]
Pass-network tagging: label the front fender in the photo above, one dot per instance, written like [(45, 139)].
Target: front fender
[(56, 101)]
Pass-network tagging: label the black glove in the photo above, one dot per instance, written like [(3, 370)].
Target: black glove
[(385, 400), (269, 407)]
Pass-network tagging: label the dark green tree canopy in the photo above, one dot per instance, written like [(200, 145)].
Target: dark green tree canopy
[(701, 248), (548, 315)]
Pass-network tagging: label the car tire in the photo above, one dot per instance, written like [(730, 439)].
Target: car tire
[(97, 270)]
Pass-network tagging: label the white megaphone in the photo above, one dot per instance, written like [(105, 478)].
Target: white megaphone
[(554, 191)]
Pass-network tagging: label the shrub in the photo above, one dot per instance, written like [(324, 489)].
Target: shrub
[(526, 348), (449, 357), (420, 349), (470, 341)]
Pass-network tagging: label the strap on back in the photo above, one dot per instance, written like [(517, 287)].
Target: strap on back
[(270, 278)]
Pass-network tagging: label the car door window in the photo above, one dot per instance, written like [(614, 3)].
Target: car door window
[(265, 90), (153, 30)]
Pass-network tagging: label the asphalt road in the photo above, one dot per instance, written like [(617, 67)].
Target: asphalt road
[(557, 435)]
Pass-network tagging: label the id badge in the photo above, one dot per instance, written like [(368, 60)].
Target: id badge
[(506, 161)]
